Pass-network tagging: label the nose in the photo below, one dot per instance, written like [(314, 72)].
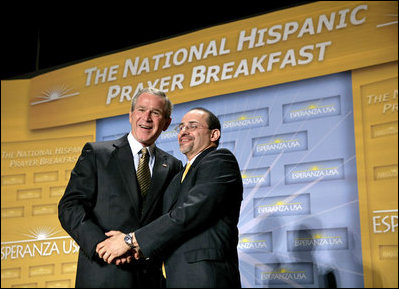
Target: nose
[(147, 115), (184, 131)]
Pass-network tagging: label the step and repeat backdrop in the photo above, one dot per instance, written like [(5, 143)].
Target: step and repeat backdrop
[(307, 99)]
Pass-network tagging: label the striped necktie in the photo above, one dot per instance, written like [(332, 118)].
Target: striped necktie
[(143, 172)]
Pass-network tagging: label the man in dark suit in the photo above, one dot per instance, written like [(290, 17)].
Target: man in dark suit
[(104, 194), (197, 236)]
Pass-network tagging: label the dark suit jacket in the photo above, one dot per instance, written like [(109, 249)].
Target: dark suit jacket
[(103, 195), (198, 236)]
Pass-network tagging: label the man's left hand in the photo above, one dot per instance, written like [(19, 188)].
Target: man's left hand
[(113, 247)]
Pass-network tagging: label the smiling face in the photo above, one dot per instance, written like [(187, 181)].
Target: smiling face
[(148, 118), (194, 141)]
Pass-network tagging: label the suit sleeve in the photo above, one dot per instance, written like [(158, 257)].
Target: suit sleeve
[(75, 209), (216, 176)]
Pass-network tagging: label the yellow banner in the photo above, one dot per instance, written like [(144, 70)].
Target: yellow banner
[(298, 43), (35, 169), (375, 103)]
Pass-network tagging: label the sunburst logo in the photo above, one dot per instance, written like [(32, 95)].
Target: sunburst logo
[(246, 175), (391, 18), (312, 106), (317, 236), (280, 203), (42, 233), (316, 168), (284, 271), (280, 141), (54, 93), (255, 173), (243, 118)]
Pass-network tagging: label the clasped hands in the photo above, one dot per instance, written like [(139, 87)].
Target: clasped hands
[(114, 249)]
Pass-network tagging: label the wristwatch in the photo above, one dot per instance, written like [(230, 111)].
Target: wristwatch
[(129, 240)]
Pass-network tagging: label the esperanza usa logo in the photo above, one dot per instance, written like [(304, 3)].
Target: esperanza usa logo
[(255, 243), (244, 119), (311, 109), (317, 239), (256, 177), (282, 206), (42, 242), (276, 144), (314, 171), (284, 273)]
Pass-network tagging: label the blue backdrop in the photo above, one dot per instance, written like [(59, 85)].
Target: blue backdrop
[(295, 144)]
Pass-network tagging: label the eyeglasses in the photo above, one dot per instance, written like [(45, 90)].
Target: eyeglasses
[(191, 126)]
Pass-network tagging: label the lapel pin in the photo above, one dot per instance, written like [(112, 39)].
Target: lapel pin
[(164, 165)]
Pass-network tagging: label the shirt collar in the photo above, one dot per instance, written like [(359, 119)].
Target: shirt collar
[(136, 146), (193, 159), (196, 156)]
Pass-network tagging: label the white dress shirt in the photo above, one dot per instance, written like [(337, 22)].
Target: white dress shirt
[(136, 147)]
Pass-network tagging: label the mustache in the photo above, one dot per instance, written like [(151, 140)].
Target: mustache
[(185, 137)]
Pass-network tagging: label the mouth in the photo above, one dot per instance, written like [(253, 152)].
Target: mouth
[(145, 127), (184, 140)]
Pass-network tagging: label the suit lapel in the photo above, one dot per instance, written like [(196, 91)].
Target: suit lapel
[(127, 171), (172, 193), (176, 187), (200, 157)]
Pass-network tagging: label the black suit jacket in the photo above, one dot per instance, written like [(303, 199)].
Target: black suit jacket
[(198, 235), (103, 195)]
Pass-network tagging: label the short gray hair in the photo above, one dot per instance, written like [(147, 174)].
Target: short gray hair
[(151, 90)]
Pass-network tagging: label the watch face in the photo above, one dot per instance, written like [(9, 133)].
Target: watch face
[(128, 239)]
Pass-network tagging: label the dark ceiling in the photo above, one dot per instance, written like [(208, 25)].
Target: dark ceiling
[(36, 39)]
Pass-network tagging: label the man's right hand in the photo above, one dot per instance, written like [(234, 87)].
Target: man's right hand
[(114, 249)]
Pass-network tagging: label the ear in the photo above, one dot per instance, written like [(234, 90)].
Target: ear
[(130, 117), (167, 124), (215, 135)]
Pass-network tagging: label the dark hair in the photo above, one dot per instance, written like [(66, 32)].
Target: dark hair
[(212, 121)]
